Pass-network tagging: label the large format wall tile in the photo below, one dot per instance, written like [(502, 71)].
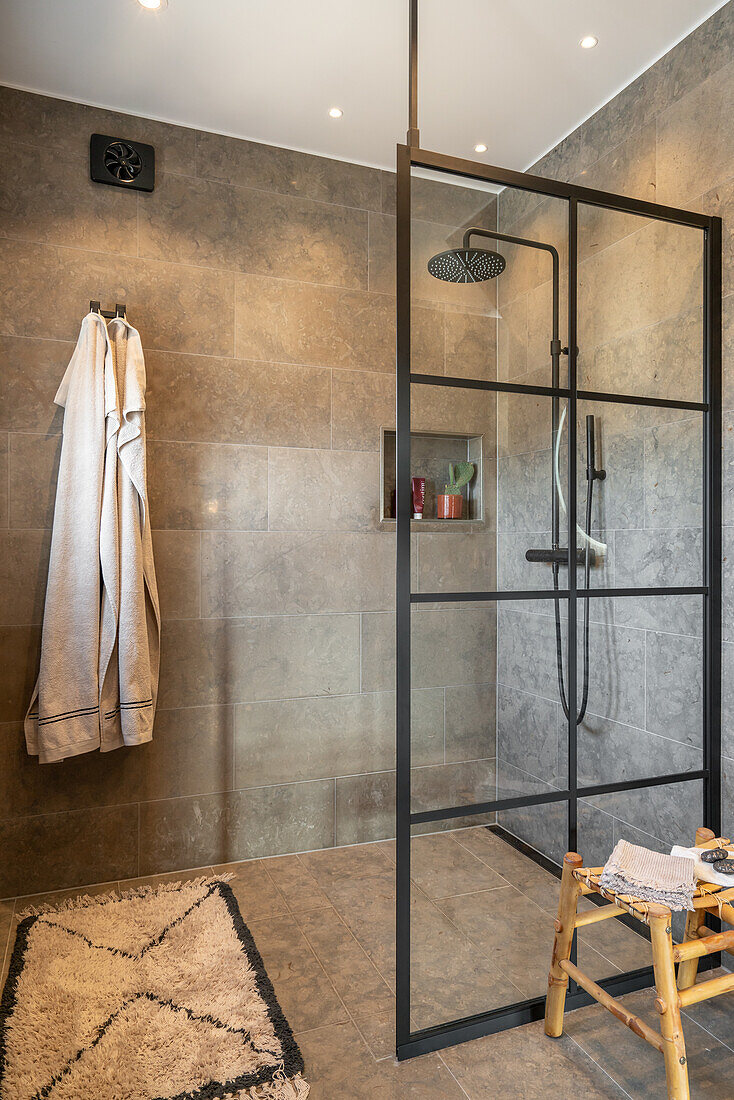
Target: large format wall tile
[(470, 722), (674, 684), (47, 195), (626, 286), (4, 479), (611, 752), (242, 229), (30, 119), (33, 467), (235, 660), (23, 575), (298, 739), (365, 804), (431, 200), (454, 561), (328, 326), (174, 308), (80, 847), (215, 400), (454, 646), (20, 650), (362, 404), (30, 374), (279, 573), (628, 169), (674, 475), (192, 752), (207, 485), (528, 730), (312, 490), (286, 171), (222, 828), (695, 144), (177, 556)]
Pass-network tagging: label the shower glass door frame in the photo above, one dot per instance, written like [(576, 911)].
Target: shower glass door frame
[(409, 1042)]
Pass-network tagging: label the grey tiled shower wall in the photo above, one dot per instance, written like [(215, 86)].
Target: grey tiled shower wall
[(262, 282), (666, 138)]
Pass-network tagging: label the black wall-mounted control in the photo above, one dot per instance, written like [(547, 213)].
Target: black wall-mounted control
[(121, 163)]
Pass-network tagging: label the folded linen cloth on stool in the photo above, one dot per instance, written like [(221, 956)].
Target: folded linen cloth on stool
[(650, 876)]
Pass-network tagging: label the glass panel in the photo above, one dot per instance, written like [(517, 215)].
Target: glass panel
[(644, 713), (453, 715), (654, 817), (525, 490), (531, 726), (640, 315), (470, 927), (525, 300), (646, 519)]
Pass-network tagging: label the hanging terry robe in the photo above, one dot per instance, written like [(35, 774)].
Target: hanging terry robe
[(82, 592), (127, 718)]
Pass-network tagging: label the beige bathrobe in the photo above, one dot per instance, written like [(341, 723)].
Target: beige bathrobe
[(99, 647)]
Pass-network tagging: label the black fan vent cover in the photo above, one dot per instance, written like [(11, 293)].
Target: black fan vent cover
[(121, 163)]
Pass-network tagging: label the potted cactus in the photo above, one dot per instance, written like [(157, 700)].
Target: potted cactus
[(450, 503)]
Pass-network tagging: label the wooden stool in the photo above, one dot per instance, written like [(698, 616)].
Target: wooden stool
[(698, 941)]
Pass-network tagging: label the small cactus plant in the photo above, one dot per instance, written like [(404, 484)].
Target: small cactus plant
[(460, 474)]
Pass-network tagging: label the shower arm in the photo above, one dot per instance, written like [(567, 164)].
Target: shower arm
[(555, 347)]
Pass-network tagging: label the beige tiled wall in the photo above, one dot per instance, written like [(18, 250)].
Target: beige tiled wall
[(262, 284)]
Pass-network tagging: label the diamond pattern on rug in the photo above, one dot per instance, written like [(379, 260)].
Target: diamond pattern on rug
[(156, 996)]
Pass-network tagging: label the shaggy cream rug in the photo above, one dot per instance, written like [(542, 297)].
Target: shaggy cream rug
[(156, 995)]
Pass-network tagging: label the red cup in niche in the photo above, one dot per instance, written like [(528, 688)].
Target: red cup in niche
[(449, 505)]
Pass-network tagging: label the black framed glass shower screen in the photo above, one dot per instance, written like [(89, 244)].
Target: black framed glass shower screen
[(611, 309)]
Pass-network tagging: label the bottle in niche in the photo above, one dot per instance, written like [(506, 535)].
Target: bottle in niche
[(418, 487)]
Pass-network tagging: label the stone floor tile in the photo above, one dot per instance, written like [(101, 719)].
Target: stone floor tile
[(253, 887), (296, 884), (524, 1064), (305, 993), (639, 1067), (339, 1065), (443, 868), (334, 864), (355, 978)]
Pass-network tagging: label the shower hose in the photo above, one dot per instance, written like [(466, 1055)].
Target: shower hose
[(590, 544)]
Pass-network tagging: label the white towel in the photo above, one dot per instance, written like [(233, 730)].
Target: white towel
[(63, 718), (705, 871), (128, 718)]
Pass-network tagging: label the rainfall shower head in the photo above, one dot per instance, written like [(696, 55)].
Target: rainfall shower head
[(466, 265)]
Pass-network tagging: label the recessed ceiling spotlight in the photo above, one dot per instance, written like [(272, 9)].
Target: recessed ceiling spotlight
[(480, 148), (153, 5), (335, 112), (588, 42)]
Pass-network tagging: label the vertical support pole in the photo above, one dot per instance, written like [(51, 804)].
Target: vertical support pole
[(572, 511), (557, 978), (402, 599), (712, 527), (413, 135), (671, 1028), (688, 969)]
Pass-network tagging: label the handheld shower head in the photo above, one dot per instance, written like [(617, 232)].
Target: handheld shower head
[(466, 265)]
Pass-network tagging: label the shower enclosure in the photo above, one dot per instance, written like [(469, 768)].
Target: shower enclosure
[(577, 611)]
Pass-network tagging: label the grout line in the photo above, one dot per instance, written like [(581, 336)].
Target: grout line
[(598, 1065), (451, 1074)]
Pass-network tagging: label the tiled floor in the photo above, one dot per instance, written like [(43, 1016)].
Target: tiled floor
[(482, 928)]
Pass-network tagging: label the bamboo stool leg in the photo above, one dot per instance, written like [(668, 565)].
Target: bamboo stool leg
[(688, 969), (674, 1047), (557, 979)]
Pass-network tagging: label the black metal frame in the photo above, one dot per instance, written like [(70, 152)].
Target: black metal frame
[(408, 1042)]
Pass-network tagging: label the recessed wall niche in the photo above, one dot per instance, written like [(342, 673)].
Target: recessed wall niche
[(431, 453)]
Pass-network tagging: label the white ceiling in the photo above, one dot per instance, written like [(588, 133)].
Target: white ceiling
[(508, 73)]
